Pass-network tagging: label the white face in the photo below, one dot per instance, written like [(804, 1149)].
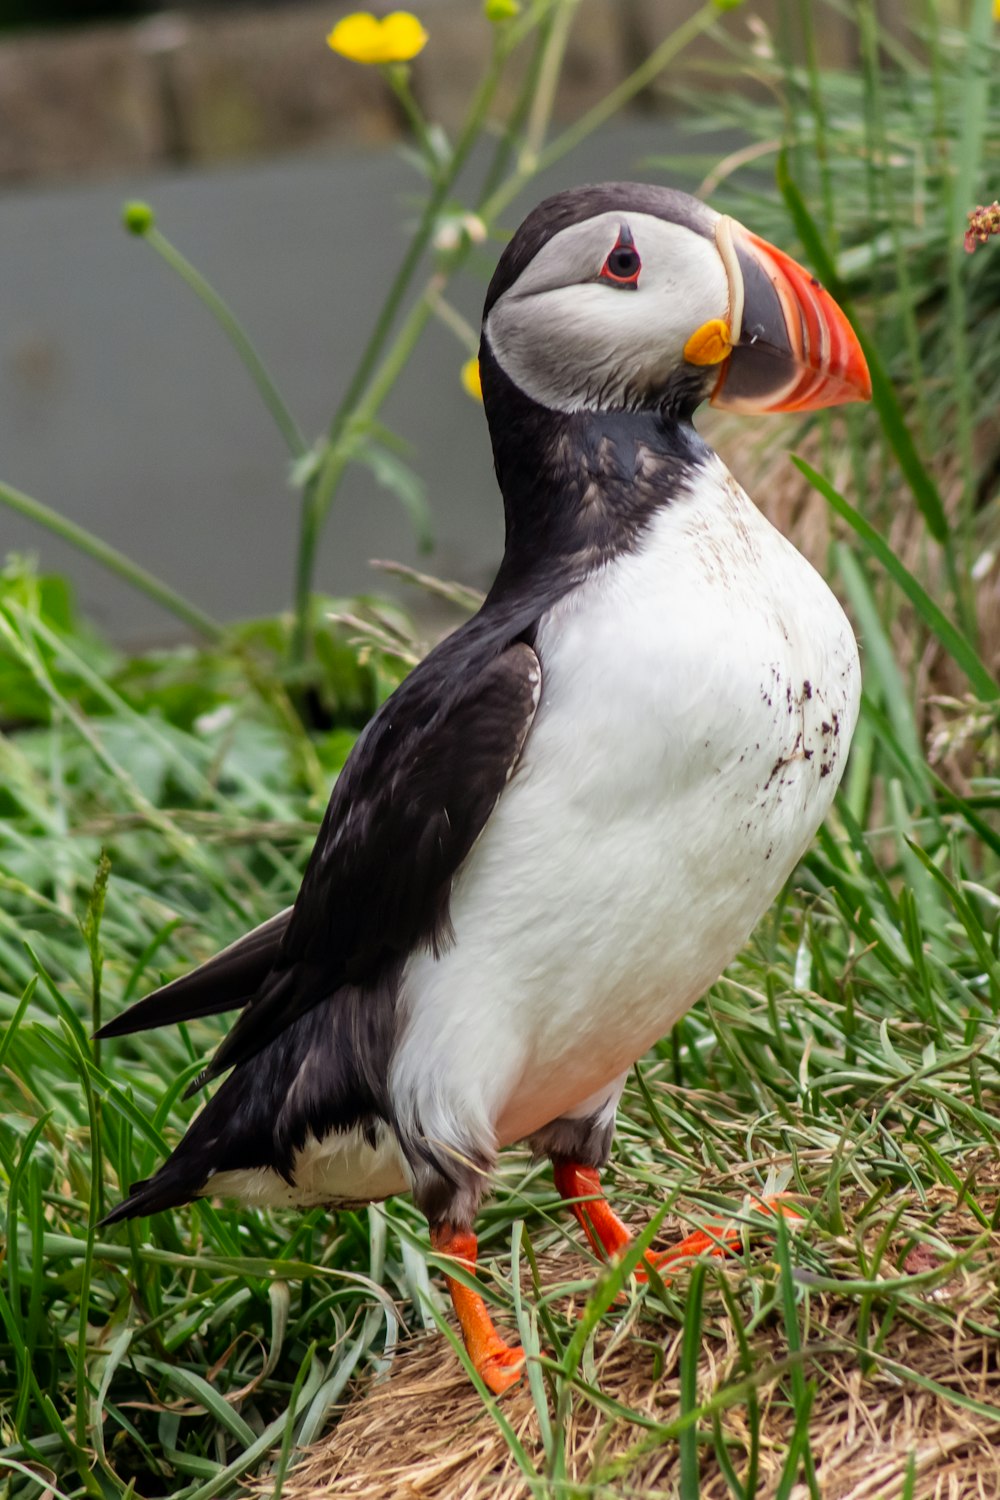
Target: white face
[(575, 341)]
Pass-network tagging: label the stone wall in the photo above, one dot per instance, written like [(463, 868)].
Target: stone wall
[(201, 86)]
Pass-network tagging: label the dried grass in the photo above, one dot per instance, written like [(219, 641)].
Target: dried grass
[(422, 1431)]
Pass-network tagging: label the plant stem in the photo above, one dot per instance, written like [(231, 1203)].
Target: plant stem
[(959, 196), (450, 316), (368, 388), (421, 239), (154, 588), (379, 387), (869, 37), (640, 78), (235, 332), (819, 125), (544, 93), (321, 487), (397, 76), (519, 113)]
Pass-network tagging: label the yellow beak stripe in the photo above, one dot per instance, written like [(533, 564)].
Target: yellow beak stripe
[(709, 344)]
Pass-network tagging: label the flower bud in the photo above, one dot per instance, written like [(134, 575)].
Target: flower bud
[(501, 10), (137, 217)]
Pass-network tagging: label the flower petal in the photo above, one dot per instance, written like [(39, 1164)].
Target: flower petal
[(472, 382), (365, 39), (404, 36)]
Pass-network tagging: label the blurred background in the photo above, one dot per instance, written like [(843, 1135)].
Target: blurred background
[(278, 169)]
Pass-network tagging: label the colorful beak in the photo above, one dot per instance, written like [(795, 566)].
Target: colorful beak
[(792, 347)]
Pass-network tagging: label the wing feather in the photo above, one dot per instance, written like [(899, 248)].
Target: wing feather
[(222, 983), (414, 796), (410, 804)]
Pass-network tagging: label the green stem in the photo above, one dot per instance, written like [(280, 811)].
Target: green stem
[(544, 95), (959, 198), (639, 79), (819, 122), (112, 559), (368, 389), (450, 316), (906, 301), (519, 114), (231, 326), (957, 306), (320, 489), (421, 239), (398, 79), (379, 387)]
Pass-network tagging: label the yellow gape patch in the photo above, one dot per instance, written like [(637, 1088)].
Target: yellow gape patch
[(709, 344)]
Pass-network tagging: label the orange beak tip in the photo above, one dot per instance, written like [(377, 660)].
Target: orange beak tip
[(797, 350)]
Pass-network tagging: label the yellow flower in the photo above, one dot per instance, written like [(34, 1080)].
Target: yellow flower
[(471, 380), (365, 39)]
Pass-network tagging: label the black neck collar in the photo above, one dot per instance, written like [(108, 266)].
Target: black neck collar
[(579, 488)]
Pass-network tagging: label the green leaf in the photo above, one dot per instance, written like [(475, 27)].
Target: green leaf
[(690, 1481), (955, 643), (925, 491), (404, 483)]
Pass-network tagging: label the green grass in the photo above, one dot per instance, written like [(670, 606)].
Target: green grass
[(852, 1053), (889, 157)]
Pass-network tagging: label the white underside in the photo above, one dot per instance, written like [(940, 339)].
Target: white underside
[(698, 700)]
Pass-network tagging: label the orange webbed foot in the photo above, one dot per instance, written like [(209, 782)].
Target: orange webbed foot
[(498, 1364), (501, 1369), (715, 1239), (610, 1237)]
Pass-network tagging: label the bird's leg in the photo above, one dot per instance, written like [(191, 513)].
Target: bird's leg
[(609, 1236), (598, 1220), (498, 1364)]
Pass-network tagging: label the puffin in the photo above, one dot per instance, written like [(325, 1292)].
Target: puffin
[(564, 823)]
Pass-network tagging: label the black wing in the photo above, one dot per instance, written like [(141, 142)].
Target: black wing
[(224, 982), (414, 796)]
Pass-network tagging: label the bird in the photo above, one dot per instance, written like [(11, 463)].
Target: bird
[(568, 818)]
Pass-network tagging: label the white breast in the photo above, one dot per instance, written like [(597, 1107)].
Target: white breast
[(698, 700)]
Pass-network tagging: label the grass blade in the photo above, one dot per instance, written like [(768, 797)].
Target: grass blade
[(116, 562), (951, 638), (690, 1481), (925, 491)]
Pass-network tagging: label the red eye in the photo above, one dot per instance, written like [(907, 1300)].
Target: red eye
[(623, 265)]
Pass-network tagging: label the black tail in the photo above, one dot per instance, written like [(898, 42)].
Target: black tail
[(153, 1194), (226, 981), (313, 1078), (233, 1130)]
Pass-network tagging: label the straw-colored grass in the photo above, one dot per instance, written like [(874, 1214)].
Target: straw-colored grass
[(420, 1430)]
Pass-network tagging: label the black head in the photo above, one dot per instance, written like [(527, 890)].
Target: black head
[(627, 297)]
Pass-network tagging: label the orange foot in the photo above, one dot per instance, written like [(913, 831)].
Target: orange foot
[(609, 1236), (503, 1368), (498, 1364)]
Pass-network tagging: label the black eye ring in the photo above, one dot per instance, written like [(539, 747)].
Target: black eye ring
[(623, 265)]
